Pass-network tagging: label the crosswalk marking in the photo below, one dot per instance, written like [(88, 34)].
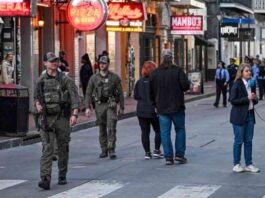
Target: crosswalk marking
[(93, 189), (187, 191), (8, 183)]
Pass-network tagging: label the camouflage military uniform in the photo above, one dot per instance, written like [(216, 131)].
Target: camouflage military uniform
[(107, 92), (60, 96)]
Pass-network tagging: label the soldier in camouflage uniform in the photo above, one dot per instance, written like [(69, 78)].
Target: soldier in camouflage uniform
[(57, 96), (106, 90)]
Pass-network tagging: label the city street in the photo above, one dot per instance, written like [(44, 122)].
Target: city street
[(207, 174)]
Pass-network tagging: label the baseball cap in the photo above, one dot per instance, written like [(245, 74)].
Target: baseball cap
[(49, 56), (104, 59), (167, 52)]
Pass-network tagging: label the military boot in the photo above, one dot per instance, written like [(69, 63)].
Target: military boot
[(112, 154), (62, 181), (44, 184), (103, 154)]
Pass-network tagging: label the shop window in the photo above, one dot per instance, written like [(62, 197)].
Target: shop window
[(112, 51)]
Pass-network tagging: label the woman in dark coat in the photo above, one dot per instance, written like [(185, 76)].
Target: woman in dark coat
[(243, 98), (85, 72), (146, 113)]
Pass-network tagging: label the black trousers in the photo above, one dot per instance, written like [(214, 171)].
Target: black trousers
[(261, 88), (145, 124), (220, 88)]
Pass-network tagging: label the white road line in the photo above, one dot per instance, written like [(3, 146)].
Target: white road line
[(188, 191), (93, 189), (8, 183)]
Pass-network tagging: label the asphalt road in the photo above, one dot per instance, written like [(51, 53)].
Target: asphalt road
[(207, 174)]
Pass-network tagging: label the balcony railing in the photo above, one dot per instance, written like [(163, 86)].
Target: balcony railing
[(259, 6), (247, 3)]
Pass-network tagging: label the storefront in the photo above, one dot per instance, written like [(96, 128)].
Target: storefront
[(10, 13)]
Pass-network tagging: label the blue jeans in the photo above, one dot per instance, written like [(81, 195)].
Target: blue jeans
[(244, 134), (178, 120)]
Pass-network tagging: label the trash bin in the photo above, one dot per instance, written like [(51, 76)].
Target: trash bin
[(14, 110)]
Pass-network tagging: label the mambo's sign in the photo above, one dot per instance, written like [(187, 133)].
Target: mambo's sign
[(125, 17), (14, 7), (184, 25), (87, 15)]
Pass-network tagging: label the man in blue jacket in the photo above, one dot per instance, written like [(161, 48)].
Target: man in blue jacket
[(167, 86)]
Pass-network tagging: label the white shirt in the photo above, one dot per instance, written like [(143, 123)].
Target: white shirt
[(251, 106)]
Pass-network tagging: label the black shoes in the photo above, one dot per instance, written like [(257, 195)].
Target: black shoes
[(62, 181), (181, 159), (112, 154), (215, 105), (44, 184), (169, 161), (103, 154), (148, 155)]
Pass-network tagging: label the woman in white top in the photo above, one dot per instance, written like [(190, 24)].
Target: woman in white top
[(7, 69), (243, 98)]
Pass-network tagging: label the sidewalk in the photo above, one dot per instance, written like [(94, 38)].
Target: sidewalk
[(83, 122)]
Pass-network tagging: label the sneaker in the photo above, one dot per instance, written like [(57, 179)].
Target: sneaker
[(103, 154), (181, 160), (44, 184), (112, 154), (238, 168), (169, 161), (62, 181), (158, 154), (148, 156), (251, 168)]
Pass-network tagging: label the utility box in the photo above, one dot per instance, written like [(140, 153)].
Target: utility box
[(14, 110)]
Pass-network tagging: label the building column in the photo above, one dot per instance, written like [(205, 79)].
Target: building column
[(29, 71)]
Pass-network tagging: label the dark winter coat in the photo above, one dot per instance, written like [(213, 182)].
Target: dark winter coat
[(85, 74), (239, 100), (145, 108), (167, 87)]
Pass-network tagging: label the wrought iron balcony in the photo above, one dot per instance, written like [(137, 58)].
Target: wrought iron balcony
[(242, 5), (259, 6)]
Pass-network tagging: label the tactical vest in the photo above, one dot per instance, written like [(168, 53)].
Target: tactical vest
[(56, 96), (105, 88)]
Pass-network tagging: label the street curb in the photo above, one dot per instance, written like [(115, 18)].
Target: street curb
[(34, 136)]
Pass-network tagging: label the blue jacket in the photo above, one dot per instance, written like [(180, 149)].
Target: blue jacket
[(240, 102)]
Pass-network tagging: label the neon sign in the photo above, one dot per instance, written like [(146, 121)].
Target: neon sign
[(125, 17), (131, 11), (87, 15), (15, 8)]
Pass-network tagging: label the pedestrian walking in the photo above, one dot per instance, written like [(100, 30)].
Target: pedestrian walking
[(86, 72), (57, 102), (261, 79), (7, 70), (232, 69), (146, 112), (167, 86), (243, 98), (221, 79), (105, 87), (63, 64)]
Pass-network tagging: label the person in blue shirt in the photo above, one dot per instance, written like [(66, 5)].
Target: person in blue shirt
[(222, 79), (254, 69)]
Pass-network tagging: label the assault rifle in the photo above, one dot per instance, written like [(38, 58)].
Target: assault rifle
[(41, 117)]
